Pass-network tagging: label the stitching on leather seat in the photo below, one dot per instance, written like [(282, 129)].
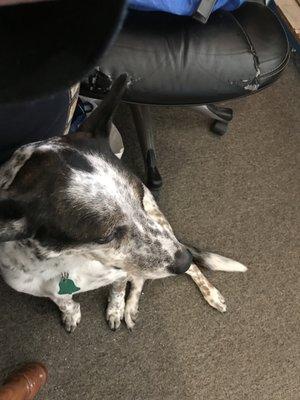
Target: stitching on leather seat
[(287, 55), (254, 84)]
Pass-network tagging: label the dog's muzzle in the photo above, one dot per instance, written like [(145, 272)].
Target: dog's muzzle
[(183, 261)]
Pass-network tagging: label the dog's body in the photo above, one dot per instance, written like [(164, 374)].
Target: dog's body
[(72, 219)]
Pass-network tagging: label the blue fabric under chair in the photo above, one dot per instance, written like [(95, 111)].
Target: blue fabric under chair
[(182, 7)]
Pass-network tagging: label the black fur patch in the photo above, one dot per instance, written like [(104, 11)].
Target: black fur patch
[(59, 222), (76, 160), (10, 210)]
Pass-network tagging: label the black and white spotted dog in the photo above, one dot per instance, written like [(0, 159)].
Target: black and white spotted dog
[(73, 219)]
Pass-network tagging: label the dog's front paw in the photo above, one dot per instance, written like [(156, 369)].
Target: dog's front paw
[(72, 319), (114, 315), (215, 299), (131, 313)]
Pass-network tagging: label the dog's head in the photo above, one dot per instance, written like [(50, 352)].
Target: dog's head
[(71, 194)]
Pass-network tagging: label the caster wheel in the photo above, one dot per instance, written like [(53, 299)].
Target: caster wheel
[(219, 127)]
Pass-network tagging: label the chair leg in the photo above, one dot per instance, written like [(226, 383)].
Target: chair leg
[(142, 120), (221, 115)]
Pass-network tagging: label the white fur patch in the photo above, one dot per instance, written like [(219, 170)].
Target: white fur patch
[(87, 186), (9, 170), (25, 273), (105, 183), (210, 293), (13, 228), (216, 262)]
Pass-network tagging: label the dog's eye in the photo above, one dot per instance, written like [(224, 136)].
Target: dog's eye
[(107, 239)]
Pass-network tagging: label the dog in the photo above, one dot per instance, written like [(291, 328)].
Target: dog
[(73, 219)]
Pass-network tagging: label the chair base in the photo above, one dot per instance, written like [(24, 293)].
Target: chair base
[(142, 119), (221, 115)]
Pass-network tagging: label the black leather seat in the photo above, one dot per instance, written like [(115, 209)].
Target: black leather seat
[(179, 61), (175, 60)]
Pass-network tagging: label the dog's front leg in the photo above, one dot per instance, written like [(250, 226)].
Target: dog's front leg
[(132, 302), (210, 293), (116, 304), (71, 314)]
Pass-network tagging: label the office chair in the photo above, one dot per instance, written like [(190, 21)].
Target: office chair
[(178, 61)]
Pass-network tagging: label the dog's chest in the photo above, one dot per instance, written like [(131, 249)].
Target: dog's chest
[(55, 276)]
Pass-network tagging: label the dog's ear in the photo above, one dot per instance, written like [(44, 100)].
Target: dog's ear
[(99, 122), (13, 224)]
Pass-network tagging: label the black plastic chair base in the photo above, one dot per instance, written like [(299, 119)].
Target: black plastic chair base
[(142, 120), (154, 179), (221, 115)]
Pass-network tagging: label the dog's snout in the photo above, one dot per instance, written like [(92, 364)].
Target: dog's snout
[(183, 260)]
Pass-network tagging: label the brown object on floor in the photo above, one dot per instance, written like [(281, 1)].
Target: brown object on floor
[(24, 383), (290, 10)]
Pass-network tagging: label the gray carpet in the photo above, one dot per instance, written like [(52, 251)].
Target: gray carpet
[(236, 195)]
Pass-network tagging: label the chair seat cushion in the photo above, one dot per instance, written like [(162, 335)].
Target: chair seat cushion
[(178, 61)]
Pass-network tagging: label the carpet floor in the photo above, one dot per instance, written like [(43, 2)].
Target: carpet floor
[(236, 195)]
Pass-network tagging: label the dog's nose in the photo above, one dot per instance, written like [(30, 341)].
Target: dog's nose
[(183, 260)]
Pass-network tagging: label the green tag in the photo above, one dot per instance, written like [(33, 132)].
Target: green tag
[(67, 286)]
